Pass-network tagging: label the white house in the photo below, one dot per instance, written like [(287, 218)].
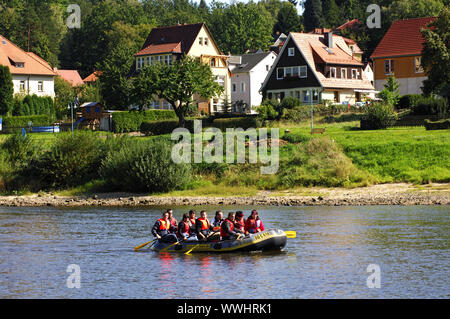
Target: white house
[(30, 73), (249, 72)]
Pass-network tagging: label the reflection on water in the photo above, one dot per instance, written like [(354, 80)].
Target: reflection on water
[(328, 259)]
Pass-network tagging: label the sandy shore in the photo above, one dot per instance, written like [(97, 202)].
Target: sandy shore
[(385, 194)]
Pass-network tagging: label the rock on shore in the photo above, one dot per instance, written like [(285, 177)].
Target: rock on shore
[(386, 194)]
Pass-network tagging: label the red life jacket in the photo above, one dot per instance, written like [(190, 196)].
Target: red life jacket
[(223, 233), (164, 225), (240, 224), (205, 223), (185, 230), (173, 222), (252, 225)]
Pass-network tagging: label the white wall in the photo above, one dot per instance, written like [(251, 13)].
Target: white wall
[(31, 85), (407, 85), (257, 76)]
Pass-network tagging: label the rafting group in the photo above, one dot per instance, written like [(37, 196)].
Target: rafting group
[(235, 226)]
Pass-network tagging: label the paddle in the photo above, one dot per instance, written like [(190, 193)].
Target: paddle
[(187, 253), (177, 242), (291, 234), (144, 244)]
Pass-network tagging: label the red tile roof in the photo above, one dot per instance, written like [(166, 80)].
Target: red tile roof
[(92, 77), (160, 48), (402, 38), (11, 55), (335, 55), (349, 24), (71, 76)]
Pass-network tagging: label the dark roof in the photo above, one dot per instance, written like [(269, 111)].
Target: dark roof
[(249, 61), (184, 33)]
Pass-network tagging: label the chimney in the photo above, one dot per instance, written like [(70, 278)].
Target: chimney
[(328, 37)]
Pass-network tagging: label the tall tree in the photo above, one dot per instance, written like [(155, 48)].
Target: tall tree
[(288, 20), (312, 16), (332, 14), (436, 55), (6, 90), (245, 28), (176, 83)]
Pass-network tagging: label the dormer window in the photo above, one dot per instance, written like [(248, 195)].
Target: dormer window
[(343, 73), (333, 72), (291, 52), (20, 65)]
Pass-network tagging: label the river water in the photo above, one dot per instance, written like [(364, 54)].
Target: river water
[(328, 259)]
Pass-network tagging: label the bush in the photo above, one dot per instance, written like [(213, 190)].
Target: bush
[(378, 116), (158, 127), (296, 137), (408, 101), (124, 122), (71, 161), (438, 125), (290, 102), (145, 166), (296, 114), (19, 149), (267, 112), (430, 106), (242, 122), (22, 121)]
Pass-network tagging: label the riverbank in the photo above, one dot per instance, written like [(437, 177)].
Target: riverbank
[(383, 194)]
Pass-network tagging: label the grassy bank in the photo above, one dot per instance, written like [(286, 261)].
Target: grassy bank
[(342, 157)]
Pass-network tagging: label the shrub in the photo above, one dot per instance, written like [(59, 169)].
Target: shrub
[(290, 102), (19, 149), (296, 114), (145, 166), (267, 112), (438, 125), (243, 122), (378, 116), (22, 121), (158, 127), (430, 106), (70, 161), (124, 122), (294, 137), (408, 101)]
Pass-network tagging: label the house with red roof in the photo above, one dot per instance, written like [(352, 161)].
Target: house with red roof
[(315, 67), (166, 44), (70, 76), (30, 73), (399, 53), (93, 77)]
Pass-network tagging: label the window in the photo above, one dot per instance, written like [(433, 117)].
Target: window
[(167, 59), (332, 72), (305, 96), (291, 52), (303, 71), (418, 65), (288, 72), (206, 41), (200, 41), (22, 86), (354, 73), (242, 86), (155, 104), (295, 71), (388, 66), (233, 87), (343, 73), (280, 73), (40, 86), (297, 94), (213, 62), (20, 65), (267, 67)]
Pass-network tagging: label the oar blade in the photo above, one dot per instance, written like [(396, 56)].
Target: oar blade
[(291, 234), (144, 244)]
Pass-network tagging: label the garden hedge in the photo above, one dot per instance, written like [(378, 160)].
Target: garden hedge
[(438, 125), (22, 121), (130, 121)]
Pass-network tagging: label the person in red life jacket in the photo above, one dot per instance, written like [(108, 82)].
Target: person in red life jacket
[(203, 226), (253, 224), (183, 227), (162, 230), (172, 219), (227, 228), (239, 223), (192, 222)]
